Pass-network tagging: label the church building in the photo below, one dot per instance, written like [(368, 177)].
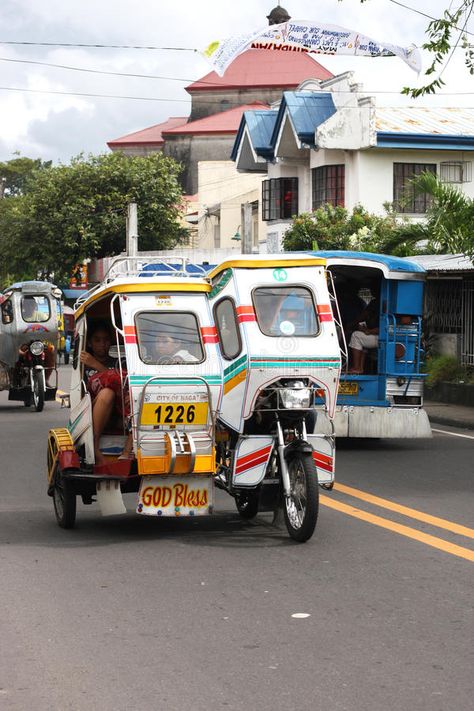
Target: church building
[(254, 81)]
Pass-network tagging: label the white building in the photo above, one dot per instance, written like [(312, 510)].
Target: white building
[(328, 143)]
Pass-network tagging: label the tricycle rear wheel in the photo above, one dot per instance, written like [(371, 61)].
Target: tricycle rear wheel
[(64, 500)]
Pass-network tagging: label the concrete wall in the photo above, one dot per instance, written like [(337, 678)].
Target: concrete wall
[(222, 191), (190, 150), (206, 103), (138, 150)]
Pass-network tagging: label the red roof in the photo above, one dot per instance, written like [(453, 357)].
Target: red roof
[(223, 122), (264, 68), (151, 136)]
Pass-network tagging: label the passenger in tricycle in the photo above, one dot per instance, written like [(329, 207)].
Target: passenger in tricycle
[(110, 398)]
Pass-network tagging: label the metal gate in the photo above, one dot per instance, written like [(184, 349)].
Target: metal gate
[(467, 332)]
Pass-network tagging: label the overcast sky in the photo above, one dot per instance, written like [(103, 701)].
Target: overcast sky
[(58, 127)]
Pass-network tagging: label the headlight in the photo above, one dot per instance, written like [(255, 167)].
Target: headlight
[(295, 399), (37, 348)]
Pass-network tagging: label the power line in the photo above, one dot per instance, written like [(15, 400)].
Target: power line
[(99, 96), (429, 17), (99, 46), (91, 71), (231, 104)]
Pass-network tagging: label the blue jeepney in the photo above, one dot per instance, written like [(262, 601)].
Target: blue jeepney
[(386, 399)]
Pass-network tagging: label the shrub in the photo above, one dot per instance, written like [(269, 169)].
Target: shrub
[(444, 369)]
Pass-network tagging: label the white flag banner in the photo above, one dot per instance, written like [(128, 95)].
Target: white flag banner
[(304, 36)]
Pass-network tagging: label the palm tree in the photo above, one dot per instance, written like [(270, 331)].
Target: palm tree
[(449, 224)]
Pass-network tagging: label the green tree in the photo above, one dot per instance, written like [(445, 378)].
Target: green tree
[(448, 227), (71, 212), (445, 35), (17, 172), (331, 227)]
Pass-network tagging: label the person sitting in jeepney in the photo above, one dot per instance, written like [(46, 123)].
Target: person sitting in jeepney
[(365, 337), (104, 384)]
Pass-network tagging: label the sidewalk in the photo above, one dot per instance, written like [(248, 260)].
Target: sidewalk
[(444, 413)]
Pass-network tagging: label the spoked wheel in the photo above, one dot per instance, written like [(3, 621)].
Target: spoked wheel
[(38, 392), (301, 507), (64, 500), (247, 503)]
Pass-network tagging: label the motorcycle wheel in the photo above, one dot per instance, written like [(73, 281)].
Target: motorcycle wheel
[(27, 400), (38, 392), (64, 500), (247, 504), (301, 508)]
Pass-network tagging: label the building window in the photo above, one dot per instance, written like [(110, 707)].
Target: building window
[(456, 171), (279, 198), (328, 185), (404, 198)]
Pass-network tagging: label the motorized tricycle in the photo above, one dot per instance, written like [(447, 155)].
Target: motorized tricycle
[(219, 375), (28, 342)]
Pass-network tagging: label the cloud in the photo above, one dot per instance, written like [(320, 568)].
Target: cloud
[(63, 126)]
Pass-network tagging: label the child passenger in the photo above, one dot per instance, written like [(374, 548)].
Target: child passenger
[(105, 387)]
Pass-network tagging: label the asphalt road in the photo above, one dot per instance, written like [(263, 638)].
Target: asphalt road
[(137, 613)]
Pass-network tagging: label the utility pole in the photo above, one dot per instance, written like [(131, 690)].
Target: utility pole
[(246, 221), (132, 230)]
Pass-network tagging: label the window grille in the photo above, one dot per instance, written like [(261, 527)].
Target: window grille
[(279, 198), (456, 171), (444, 306), (328, 185), (404, 198)]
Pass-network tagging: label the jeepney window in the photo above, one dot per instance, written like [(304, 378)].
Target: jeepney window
[(168, 338), (7, 311), (35, 309), (227, 328), (285, 311)]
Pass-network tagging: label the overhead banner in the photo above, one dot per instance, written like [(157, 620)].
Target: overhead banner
[(304, 36)]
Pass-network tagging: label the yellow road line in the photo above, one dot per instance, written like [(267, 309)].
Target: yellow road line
[(432, 541), (406, 511)]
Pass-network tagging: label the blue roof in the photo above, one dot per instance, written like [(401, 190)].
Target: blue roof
[(387, 139), (307, 111), (394, 264), (260, 124)]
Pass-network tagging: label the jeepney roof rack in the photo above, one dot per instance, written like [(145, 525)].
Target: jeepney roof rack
[(148, 267)]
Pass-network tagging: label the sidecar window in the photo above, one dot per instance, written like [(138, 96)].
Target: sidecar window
[(227, 328), (285, 311), (7, 311), (35, 309), (168, 338)]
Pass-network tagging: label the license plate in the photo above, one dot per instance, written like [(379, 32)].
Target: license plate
[(173, 496), (184, 413), (348, 388)]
